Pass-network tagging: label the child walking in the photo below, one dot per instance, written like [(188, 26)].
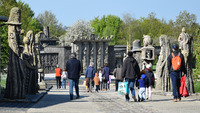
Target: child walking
[(96, 82), (141, 88), (151, 79), (64, 78)]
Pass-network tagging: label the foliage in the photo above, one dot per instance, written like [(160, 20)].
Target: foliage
[(196, 70), (49, 19), (79, 29), (185, 19), (27, 20), (197, 86), (107, 26), (4, 47)]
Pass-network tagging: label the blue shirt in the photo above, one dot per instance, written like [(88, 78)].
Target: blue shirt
[(141, 83)]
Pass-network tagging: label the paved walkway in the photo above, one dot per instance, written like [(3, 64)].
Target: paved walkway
[(57, 101)]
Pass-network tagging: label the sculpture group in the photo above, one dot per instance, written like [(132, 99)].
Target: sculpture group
[(22, 77)]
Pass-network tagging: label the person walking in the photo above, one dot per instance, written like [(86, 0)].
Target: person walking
[(89, 75), (150, 81), (105, 75), (117, 74), (130, 71), (176, 65), (96, 82), (58, 72), (73, 67), (142, 83), (64, 78), (100, 78)]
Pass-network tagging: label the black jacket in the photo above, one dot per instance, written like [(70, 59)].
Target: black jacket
[(169, 60), (73, 68), (130, 68)]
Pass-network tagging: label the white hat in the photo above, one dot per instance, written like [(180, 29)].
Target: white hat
[(149, 66)]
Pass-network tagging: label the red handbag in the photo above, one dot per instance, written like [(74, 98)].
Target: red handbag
[(183, 88)]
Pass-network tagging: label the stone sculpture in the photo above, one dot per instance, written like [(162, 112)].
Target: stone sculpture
[(15, 78), (37, 46), (99, 59), (147, 40), (84, 59), (186, 46), (30, 63), (91, 49), (162, 73), (92, 55), (147, 54)]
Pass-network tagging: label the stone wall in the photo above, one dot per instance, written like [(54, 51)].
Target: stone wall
[(115, 55), (62, 52)]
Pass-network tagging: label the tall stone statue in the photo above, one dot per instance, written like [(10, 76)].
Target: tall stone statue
[(28, 63), (186, 46), (92, 55), (37, 46), (84, 59), (162, 73), (16, 77), (99, 58), (30, 59)]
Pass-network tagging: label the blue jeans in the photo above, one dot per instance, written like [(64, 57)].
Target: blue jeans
[(73, 82), (176, 83), (131, 86), (64, 83)]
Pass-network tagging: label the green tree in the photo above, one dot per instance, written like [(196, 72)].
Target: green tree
[(107, 26), (49, 19), (27, 20), (187, 20)]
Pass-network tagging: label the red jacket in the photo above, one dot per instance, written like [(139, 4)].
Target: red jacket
[(58, 72)]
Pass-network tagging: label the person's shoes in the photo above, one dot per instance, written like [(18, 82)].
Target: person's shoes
[(77, 97), (135, 100), (175, 100), (138, 99), (127, 100), (71, 98), (146, 98), (178, 99)]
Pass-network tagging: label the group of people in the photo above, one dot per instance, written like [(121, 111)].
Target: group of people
[(129, 71), (100, 78), (145, 79), (61, 77)]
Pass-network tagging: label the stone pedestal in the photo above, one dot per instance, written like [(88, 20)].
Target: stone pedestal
[(41, 83)]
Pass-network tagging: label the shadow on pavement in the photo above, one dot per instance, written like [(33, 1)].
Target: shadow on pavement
[(47, 100)]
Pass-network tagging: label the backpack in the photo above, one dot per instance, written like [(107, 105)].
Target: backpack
[(176, 62)]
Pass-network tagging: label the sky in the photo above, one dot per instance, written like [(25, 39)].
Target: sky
[(69, 11)]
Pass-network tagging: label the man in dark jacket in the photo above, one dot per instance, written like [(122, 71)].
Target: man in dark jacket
[(89, 75), (176, 74), (117, 74), (73, 67), (105, 74), (130, 71)]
